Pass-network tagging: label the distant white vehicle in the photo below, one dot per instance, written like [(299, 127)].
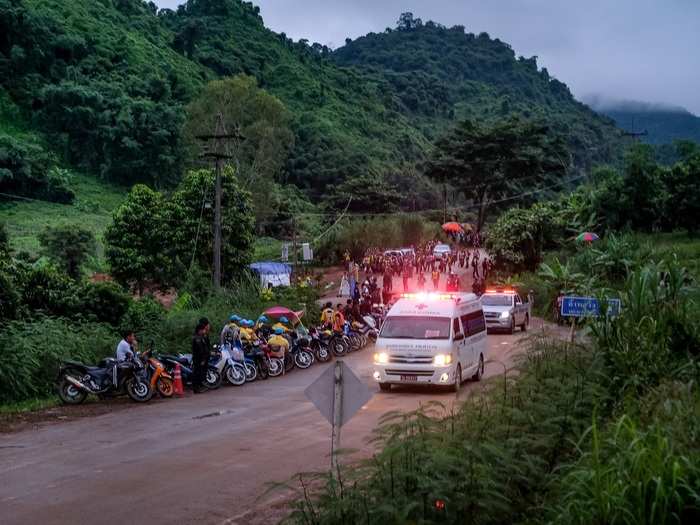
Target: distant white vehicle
[(408, 251), (504, 309), (431, 339), (442, 249)]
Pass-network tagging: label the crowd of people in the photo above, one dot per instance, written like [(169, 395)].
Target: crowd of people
[(432, 271)]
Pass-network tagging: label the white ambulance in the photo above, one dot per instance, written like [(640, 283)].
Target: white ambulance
[(431, 339)]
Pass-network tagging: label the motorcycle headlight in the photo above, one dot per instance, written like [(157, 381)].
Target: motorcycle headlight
[(505, 315)]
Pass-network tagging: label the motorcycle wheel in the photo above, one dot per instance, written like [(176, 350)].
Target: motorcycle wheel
[(235, 374), (289, 362), (275, 367), (213, 379), (251, 372), (322, 354), (139, 391), (69, 393), (338, 347), (303, 359), (165, 387)]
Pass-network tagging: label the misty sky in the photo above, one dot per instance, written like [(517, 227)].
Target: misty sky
[(646, 50)]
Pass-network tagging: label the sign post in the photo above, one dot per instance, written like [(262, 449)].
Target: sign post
[(574, 306), (337, 414), (338, 394)]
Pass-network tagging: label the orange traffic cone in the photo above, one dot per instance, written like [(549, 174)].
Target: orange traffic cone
[(177, 382)]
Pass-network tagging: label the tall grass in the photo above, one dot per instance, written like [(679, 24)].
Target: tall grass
[(31, 352), (488, 461)]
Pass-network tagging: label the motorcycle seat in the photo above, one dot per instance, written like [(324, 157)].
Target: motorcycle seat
[(83, 366)]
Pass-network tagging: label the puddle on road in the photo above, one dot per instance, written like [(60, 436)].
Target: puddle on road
[(212, 414)]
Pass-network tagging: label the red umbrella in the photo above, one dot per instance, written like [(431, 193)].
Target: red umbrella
[(452, 227), (283, 311)]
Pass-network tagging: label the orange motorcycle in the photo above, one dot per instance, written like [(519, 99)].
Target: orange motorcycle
[(159, 378)]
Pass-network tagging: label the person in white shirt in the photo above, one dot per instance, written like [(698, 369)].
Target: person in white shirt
[(125, 348)]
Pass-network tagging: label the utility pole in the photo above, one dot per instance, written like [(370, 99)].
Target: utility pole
[(218, 154), (294, 246), (444, 201)]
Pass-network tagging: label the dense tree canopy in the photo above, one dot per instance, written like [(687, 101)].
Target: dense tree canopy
[(263, 124), (155, 239), (69, 247), (107, 83), (508, 160)]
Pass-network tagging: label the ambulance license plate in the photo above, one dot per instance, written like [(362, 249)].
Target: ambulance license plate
[(409, 378)]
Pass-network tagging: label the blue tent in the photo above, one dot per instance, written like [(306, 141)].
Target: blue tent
[(272, 273)]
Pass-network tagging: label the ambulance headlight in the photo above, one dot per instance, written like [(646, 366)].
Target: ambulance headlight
[(381, 358), (442, 359), (505, 315)]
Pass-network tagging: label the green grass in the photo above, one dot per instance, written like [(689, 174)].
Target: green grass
[(684, 246), (29, 405), (267, 249), (95, 201)]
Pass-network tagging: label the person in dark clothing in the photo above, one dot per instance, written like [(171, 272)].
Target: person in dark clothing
[(406, 276), (388, 284), (348, 310), (201, 349)]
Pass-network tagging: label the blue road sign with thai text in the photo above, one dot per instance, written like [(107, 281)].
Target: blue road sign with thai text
[(572, 306)]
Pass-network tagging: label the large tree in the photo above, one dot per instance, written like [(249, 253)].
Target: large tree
[(190, 222), (263, 123), (510, 159), (69, 246), (138, 247), (155, 240)]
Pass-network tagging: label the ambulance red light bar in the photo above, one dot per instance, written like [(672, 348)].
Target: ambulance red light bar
[(428, 296)]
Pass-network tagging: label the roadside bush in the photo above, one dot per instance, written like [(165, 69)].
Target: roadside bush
[(104, 302), (32, 351), (46, 290)]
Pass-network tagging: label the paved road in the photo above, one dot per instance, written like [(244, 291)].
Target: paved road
[(201, 459)]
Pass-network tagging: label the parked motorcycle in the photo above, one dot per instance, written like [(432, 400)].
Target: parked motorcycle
[(108, 379), (318, 346), (337, 342), (212, 380), (254, 355), (275, 365), (224, 363), (158, 377), (299, 355)]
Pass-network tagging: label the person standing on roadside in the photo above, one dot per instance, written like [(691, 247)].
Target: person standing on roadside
[(421, 281), (406, 276), (436, 278), (201, 349)]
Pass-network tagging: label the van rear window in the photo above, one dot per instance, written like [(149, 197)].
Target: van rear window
[(416, 328)]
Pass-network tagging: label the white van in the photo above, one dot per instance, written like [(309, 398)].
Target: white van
[(431, 339), (442, 249)]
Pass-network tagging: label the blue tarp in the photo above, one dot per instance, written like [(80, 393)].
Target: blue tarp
[(271, 268)]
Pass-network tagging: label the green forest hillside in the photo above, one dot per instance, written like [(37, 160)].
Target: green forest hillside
[(100, 87), (441, 74)]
